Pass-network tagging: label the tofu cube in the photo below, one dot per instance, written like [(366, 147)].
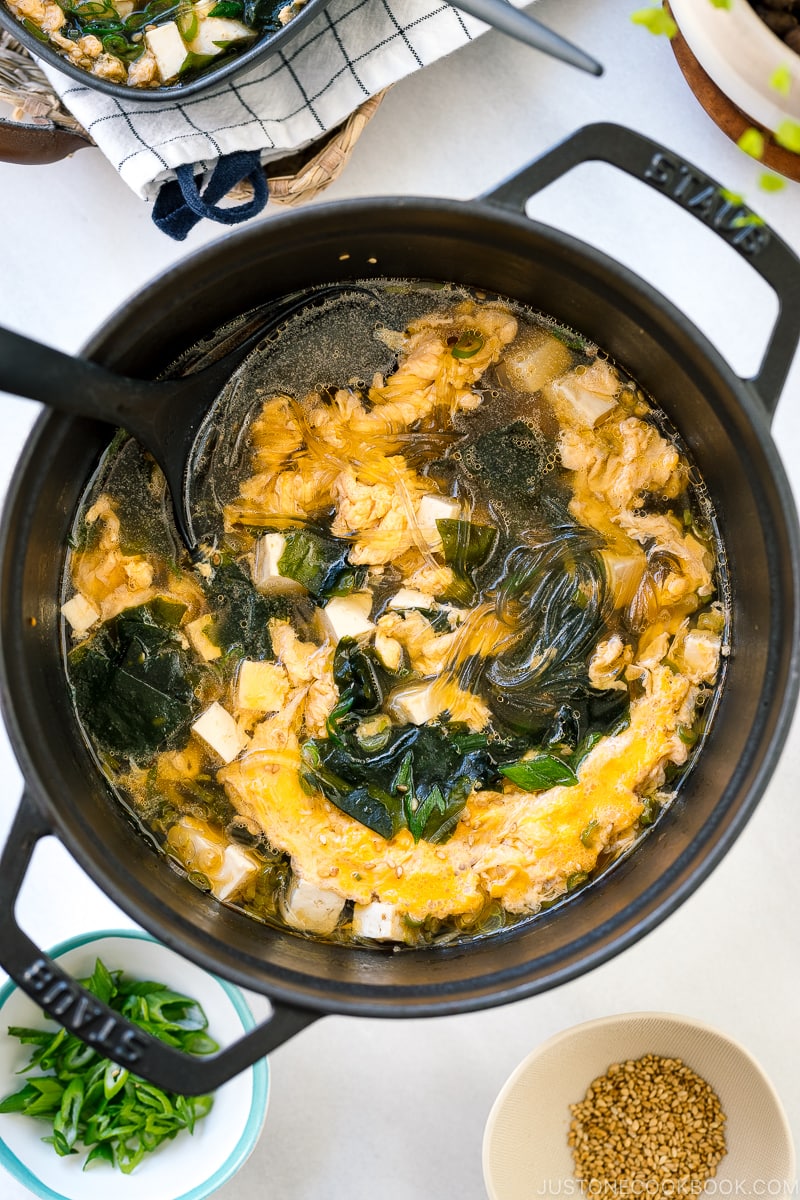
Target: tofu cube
[(316, 910), (266, 572), (389, 651), (168, 48), (228, 868), (534, 359), (435, 508), (262, 686), (411, 598), (415, 705), (269, 549), (379, 921), (80, 613), (348, 616), (587, 409), (214, 34), (701, 652), (238, 868), (585, 396), (197, 633), (218, 730)]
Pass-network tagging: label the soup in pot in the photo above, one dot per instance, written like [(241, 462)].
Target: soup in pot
[(458, 635)]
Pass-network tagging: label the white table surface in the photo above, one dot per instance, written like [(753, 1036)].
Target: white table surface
[(362, 1109)]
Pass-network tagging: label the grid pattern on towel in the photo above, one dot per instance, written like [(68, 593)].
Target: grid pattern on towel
[(348, 52)]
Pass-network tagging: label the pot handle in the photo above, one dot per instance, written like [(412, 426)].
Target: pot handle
[(64, 1000), (701, 196)]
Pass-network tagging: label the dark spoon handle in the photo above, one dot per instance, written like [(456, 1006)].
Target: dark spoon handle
[(164, 415), (70, 385), (502, 15)]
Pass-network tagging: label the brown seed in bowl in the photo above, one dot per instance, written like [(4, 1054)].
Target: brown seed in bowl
[(647, 1120)]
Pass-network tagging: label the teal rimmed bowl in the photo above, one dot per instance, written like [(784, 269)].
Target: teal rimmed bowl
[(190, 1167)]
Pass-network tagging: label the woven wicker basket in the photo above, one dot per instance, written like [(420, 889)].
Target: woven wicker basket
[(293, 180)]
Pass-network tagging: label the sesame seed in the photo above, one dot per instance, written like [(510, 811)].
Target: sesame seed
[(645, 1121)]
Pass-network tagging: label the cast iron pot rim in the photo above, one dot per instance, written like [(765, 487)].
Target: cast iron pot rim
[(608, 939)]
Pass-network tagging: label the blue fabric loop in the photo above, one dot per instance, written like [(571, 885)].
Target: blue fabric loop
[(180, 205)]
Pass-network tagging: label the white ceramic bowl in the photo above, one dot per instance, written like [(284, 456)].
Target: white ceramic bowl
[(740, 53), (191, 1166), (525, 1150)]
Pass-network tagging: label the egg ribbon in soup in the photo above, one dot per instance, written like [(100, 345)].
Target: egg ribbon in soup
[(461, 634)]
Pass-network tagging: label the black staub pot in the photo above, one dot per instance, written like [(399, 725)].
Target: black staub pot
[(725, 422)]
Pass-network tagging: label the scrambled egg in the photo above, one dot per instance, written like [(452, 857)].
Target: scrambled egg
[(112, 580), (342, 460), (343, 454), (613, 467), (511, 846)]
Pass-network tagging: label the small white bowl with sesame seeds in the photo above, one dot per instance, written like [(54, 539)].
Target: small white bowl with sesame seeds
[(526, 1151)]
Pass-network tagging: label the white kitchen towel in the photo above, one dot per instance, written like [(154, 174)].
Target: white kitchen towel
[(348, 52)]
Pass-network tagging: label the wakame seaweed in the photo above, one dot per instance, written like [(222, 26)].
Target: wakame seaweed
[(316, 561), (134, 682), (466, 546), (263, 14), (371, 784), (361, 677), (242, 614), (507, 464)]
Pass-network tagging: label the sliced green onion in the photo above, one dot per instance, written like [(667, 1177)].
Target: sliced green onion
[(467, 345), (114, 1080), (781, 79), (587, 835), (656, 20), (94, 8), (118, 45), (194, 62), (95, 1106), (788, 135), (374, 734), (650, 811), (540, 772), (576, 879), (38, 33), (187, 23)]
